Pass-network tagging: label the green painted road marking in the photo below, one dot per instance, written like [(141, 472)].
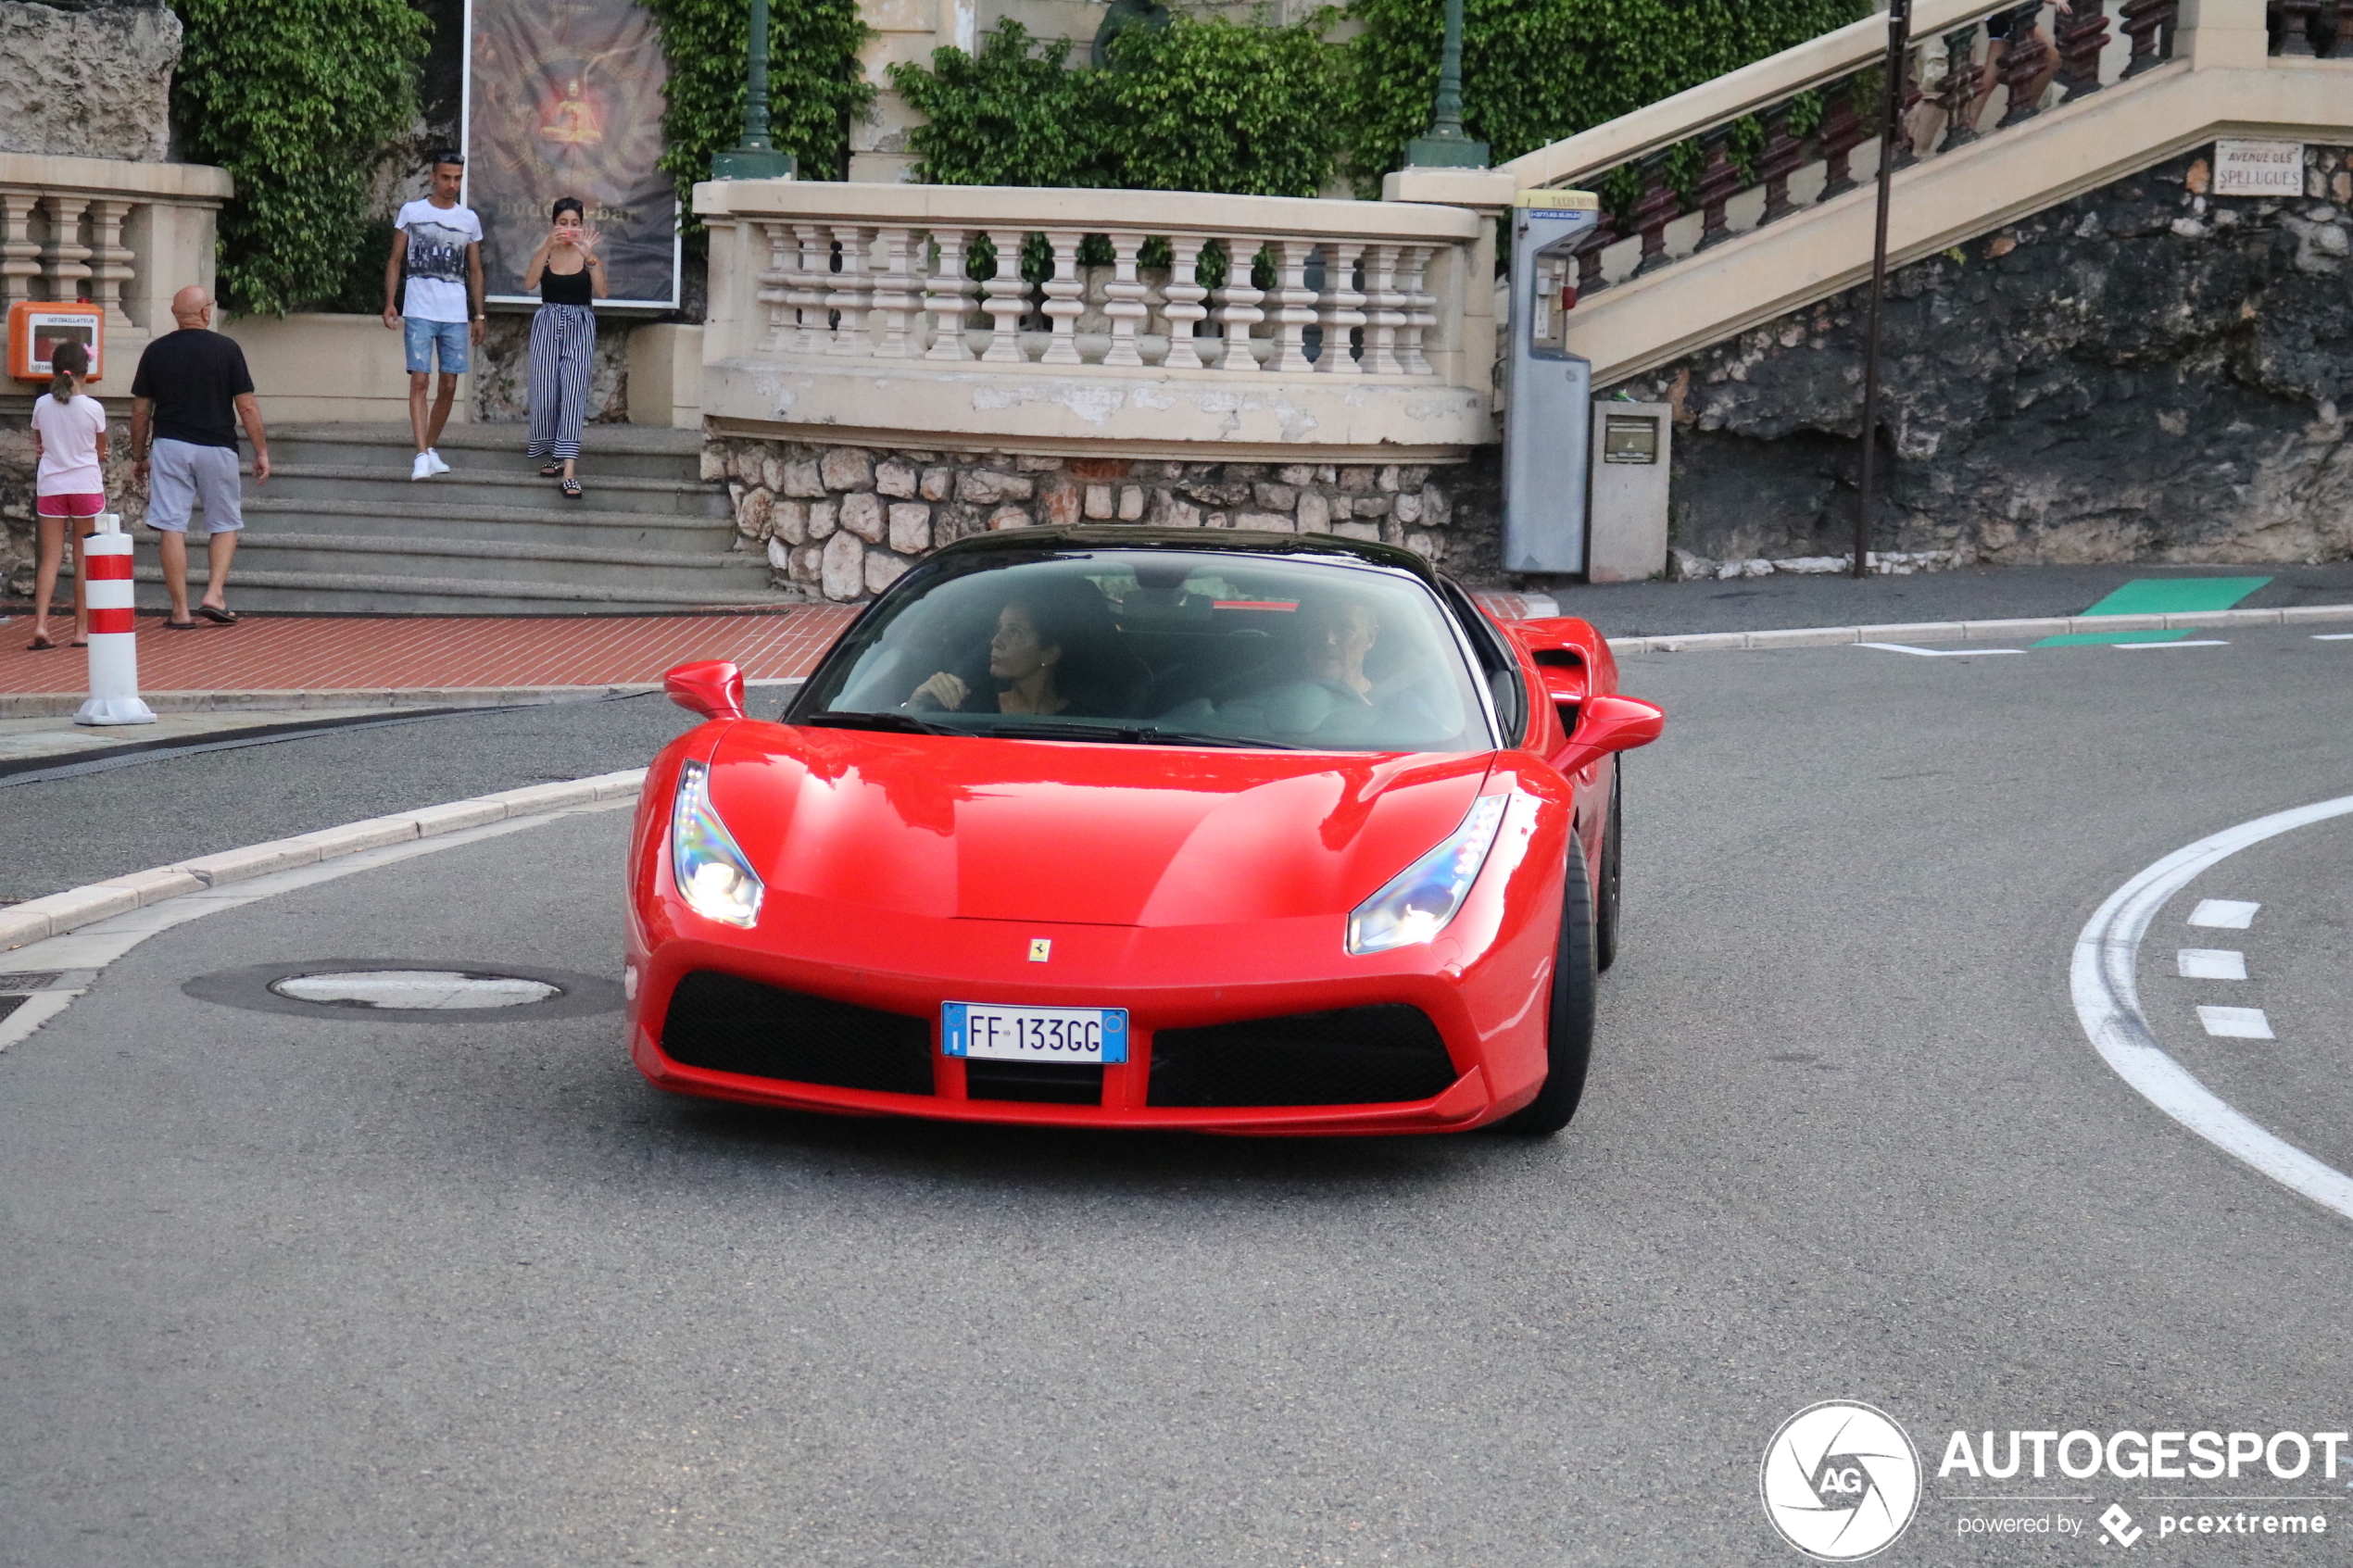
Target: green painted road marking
[(2160, 596), (2176, 596), (2086, 639)]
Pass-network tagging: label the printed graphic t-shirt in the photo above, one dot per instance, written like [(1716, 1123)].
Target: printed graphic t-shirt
[(70, 435), (437, 240)]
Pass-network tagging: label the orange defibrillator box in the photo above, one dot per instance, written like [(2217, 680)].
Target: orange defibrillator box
[(37, 326)]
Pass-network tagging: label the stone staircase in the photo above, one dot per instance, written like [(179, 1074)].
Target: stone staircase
[(341, 529)]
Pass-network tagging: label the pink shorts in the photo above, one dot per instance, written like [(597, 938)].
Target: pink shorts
[(90, 505)]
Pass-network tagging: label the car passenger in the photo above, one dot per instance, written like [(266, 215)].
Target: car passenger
[(1333, 695), (1027, 657)]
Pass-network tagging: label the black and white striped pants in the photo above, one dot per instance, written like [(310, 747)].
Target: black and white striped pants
[(563, 353)]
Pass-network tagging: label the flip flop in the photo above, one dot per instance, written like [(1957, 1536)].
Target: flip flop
[(553, 470), (79, 642), (172, 625), (41, 643), (221, 617), (571, 487)]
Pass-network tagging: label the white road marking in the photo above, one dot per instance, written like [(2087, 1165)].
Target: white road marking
[(2211, 963), (2236, 1023), (2193, 643), (2333, 636), (2230, 914), (2108, 1003), (1934, 653), (100, 943)]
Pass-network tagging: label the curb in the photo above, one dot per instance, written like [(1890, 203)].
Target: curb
[(58, 913), (1975, 631), (52, 705)]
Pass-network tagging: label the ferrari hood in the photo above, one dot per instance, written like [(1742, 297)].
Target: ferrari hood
[(1081, 833)]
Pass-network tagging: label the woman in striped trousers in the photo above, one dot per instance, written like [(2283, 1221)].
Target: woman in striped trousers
[(567, 273)]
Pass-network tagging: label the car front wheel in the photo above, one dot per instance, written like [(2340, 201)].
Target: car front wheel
[(1569, 1045)]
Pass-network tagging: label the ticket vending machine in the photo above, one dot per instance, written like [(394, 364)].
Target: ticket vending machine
[(1547, 425)]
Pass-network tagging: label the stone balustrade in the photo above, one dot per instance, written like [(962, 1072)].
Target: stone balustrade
[(125, 236), (1167, 324)]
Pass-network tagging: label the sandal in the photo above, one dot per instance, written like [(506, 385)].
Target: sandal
[(553, 470), (189, 625), (571, 487), (41, 643), (221, 617)]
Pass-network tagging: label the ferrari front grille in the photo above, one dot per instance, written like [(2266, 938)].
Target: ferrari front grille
[(1040, 1083), (1350, 1056), (726, 1024)]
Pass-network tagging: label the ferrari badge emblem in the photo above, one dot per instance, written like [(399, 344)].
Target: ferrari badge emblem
[(1040, 948)]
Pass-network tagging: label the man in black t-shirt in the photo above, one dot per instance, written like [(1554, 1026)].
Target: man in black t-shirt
[(192, 388)]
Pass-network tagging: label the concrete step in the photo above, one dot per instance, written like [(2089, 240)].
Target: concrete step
[(523, 526), (472, 486), (629, 451), (503, 561), (322, 593)]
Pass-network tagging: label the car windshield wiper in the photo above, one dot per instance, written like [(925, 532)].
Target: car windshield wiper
[(1128, 734), (852, 719)]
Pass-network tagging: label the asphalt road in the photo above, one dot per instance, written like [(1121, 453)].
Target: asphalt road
[(285, 1290)]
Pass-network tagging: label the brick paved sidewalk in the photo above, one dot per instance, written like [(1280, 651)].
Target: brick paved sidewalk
[(349, 653)]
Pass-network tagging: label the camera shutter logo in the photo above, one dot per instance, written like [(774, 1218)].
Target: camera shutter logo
[(1840, 1481)]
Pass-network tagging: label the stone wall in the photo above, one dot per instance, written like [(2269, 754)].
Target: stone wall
[(89, 79), (842, 523), (2149, 372)]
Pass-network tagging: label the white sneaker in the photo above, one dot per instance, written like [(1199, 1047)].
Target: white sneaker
[(423, 467), (438, 466)]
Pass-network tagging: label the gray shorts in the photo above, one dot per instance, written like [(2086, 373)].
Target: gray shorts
[(181, 475)]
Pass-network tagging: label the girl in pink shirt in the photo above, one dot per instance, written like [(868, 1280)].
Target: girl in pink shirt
[(70, 437)]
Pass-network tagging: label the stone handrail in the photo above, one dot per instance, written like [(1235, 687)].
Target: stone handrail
[(1149, 329), (122, 235)]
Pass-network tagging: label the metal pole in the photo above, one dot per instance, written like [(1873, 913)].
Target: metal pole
[(756, 157), (1445, 145), (1899, 37)]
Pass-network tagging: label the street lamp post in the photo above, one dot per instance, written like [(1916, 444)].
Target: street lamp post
[(1445, 145), (755, 157)]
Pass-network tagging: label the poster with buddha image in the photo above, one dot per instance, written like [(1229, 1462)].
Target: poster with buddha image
[(564, 98)]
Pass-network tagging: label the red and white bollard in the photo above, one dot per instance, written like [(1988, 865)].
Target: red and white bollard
[(114, 643)]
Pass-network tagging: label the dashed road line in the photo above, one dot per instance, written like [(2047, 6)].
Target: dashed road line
[(2104, 982), (2191, 643), (2211, 963), (2235, 1023), (1935, 653)]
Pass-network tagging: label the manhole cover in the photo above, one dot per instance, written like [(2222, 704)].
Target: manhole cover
[(410, 990), (444, 988)]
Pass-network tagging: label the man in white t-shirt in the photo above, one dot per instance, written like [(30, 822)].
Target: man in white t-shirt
[(437, 248)]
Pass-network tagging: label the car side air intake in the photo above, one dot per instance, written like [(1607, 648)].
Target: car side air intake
[(1350, 1056), (725, 1024)]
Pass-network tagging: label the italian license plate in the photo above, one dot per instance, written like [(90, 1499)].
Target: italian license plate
[(1010, 1033)]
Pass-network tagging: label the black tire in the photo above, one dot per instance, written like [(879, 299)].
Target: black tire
[(1568, 1043), (1605, 917)]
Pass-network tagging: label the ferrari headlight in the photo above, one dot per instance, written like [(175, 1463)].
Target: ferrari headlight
[(1420, 899), (712, 873)]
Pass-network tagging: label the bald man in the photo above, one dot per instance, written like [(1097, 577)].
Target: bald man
[(193, 390)]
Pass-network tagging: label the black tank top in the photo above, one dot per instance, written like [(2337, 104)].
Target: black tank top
[(563, 288)]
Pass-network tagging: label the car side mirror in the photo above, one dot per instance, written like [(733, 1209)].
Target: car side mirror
[(1617, 723), (712, 687)]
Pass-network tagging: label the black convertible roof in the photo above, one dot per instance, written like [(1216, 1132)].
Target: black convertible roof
[(1131, 536)]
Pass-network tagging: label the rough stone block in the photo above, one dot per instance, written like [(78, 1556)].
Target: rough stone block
[(985, 486), (1368, 530), (1387, 478), (845, 567), (1327, 473), (1296, 474), (1170, 511), (1422, 544), (1315, 513), (1131, 503), (1008, 517), (846, 468), (1407, 507), (894, 478), (715, 464), (801, 479), (936, 482), (882, 570), (1058, 501), (1276, 498), (1098, 468), (1355, 480), (789, 521), (1037, 465), (752, 514), (823, 516), (1267, 522), (779, 554), (88, 80), (809, 565), (1099, 502), (862, 514), (910, 527)]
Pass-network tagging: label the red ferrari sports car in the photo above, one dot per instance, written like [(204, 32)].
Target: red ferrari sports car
[(1129, 827)]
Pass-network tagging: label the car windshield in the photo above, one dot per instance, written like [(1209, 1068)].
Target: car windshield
[(1158, 647)]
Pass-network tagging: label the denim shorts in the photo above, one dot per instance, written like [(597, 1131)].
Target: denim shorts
[(422, 336)]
